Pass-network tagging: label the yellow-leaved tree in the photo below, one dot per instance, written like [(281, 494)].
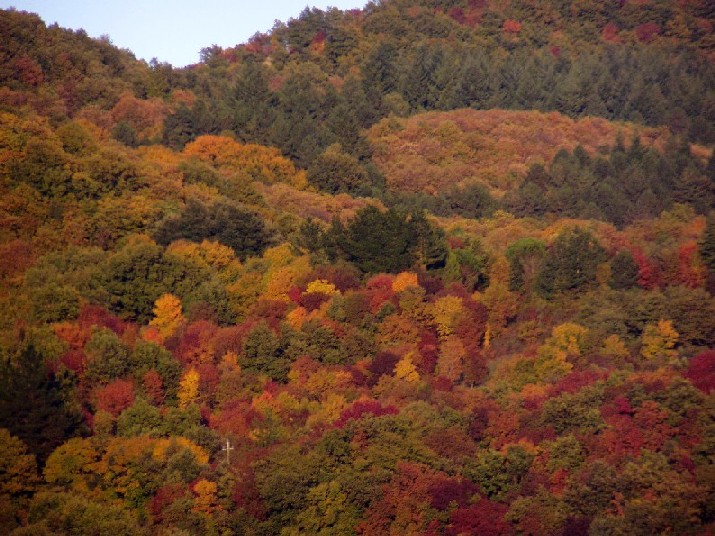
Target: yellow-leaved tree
[(447, 312), (249, 161), (659, 340), (613, 346), (189, 388), (330, 408), (567, 340), (405, 369), (168, 316), (322, 286), (206, 500), (207, 254), (404, 280)]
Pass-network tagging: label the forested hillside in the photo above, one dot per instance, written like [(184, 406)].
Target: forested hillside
[(428, 267)]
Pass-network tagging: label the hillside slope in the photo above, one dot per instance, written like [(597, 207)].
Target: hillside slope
[(434, 151), (224, 309)]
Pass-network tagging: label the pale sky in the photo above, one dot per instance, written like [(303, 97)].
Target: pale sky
[(171, 30)]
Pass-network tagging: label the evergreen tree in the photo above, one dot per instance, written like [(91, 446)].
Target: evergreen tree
[(253, 113), (707, 251), (336, 172), (570, 263), (624, 271), (33, 404), (390, 241), (263, 353), (707, 243), (229, 223), (525, 257), (179, 128)]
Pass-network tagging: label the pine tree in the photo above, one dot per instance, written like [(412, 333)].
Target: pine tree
[(707, 244), (33, 405), (624, 271), (570, 263)]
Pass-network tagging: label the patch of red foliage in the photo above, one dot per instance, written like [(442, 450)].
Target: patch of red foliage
[(361, 408), (610, 33), (512, 26), (484, 517), (647, 32), (701, 371)]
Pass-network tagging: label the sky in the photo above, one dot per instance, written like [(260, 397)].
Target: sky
[(172, 31)]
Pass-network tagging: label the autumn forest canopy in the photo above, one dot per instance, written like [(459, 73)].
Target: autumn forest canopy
[(429, 267)]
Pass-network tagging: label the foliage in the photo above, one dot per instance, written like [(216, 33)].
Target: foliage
[(407, 275), (619, 186), (33, 404), (570, 263), (189, 388), (19, 469), (659, 341), (392, 241), (228, 223), (167, 315), (525, 256), (336, 172)]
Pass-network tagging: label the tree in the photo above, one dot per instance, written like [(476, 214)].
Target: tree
[(574, 411), (262, 353), (224, 221), (701, 371), (624, 271), (167, 315), (125, 133), (570, 263), (189, 388), (447, 312), (471, 201), (115, 397), (244, 162), (133, 278), (148, 357), (707, 245), (406, 370), (497, 473), (18, 480), (108, 357), (179, 127), (484, 517), (206, 500), (468, 266), (452, 356), (67, 513), (253, 112), (328, 512), (659, 340), (33, 404), (567, 340), (153, 387), (404, 281), (525, 257), (377, 241), (141, 419), (44, 166), (19, 469), (336, 172)]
